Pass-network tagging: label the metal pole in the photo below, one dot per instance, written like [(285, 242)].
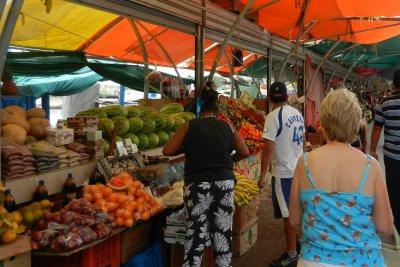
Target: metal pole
[(227, 37), (122, 95), (8, 29), (351, 68), (2, 7), (199, 59), (145, 56)]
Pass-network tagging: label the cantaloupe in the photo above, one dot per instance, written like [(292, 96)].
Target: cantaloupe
[(38, 132), (15, 110), (15, 119), (4, 116), (36, 113), (38, 121), (14, 132)]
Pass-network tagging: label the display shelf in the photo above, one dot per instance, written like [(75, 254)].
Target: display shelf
[(22, 189), (72, 252), (21, 245)]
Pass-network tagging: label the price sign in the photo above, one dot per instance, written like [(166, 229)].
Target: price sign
[(133, 146), (121, 149)]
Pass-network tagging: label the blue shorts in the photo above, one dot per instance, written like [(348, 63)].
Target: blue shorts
[(280, 196)]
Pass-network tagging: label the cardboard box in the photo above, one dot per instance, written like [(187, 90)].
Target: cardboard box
[(17, 253), (244, 216), (246, 239), (134, 241), (60, 137)]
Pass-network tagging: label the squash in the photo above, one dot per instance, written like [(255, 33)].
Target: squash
[(4, 116), (14, 119), (44, 123), (15, 110), (14, 132), (36, 113), (38, 132)]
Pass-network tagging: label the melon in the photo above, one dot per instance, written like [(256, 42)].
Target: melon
[(44, 123), (185, 115), (4, 116), (118, 139), (106, 146), (106, 126), (38, 132), (134, 111), (169, 122), (93, 112), (148, 124), (171, 108), (15, 110), (135, 125), (153, 140), (121, 124), (143, 141), (160, 121), (163, 138), (131, 136), (15, 119), (14, 132), (36, 113), (115, 111), (146, 111), (178, 122)]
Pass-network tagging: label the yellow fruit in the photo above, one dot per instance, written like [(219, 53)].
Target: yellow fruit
[(45, 204), (2, 230), (29, 218), (38, 215), (7, 223), (8, 237), (21, 229), (14, 226), (16, 217), (3, 211), (36, 206)]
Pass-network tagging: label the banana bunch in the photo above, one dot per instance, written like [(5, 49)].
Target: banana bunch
[(245, 190)]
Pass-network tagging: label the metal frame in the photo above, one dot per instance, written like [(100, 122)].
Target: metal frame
[(8, 28)]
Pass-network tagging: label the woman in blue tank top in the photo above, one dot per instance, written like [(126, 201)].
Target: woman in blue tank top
[(339, 196)]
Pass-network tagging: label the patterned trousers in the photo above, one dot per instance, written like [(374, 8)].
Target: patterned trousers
[(209, 209)]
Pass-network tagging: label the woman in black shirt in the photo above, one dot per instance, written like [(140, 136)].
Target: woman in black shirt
[(208, 144)]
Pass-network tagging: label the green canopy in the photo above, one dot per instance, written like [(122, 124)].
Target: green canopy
[(66, 73)]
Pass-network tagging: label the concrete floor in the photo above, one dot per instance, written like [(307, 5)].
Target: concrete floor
[(271, 239)]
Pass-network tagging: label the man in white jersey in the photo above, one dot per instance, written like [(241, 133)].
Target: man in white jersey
[(283, 139)]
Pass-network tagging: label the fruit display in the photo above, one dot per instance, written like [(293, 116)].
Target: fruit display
[(77, 224), (128, 206), (245, 190), (144, 126), (35, 212), (252, 137), (10, 225)]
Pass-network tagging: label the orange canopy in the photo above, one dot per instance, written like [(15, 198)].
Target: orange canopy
[(359, 21)]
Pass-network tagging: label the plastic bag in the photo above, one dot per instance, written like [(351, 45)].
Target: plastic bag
[(102, 230), (87, 234)]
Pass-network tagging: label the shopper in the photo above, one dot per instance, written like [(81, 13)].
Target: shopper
[(361, 139), (209, 180), (283, 135), (387, 116), (338, 194)]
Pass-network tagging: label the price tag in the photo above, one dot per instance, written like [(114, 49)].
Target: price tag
[(121, 149), (133, 146)]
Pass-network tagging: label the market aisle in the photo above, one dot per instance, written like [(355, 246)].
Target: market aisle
[(271, 241), (380, 145)]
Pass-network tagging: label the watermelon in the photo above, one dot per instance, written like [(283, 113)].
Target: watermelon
[(163, 137), (178, 122), (153, 140), (171, 108), (160, 121), (131, 136), (115, 110), (185, 115), (121, 124), (148, 124), (147, 111), (135, 125), (106, 146), (134, 111), (93, 112), (106, 126), (169, 122), (118, 139), (170, 133), (143, 141)]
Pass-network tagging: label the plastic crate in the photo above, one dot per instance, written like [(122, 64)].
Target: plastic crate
[(151, 257), (25, 102), (104, 254)]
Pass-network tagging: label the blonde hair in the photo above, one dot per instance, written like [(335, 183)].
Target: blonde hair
[(340, 116)]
